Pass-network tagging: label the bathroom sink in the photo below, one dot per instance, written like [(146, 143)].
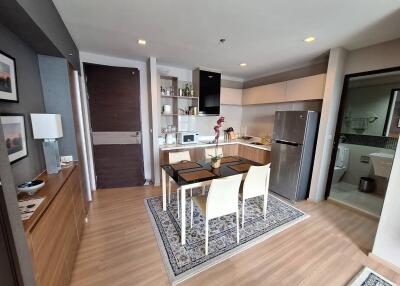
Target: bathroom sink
[(382, 163)]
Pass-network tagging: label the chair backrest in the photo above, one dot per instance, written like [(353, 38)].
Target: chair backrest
[(256, 182), (223, 196), (176, 157), (210, 152)]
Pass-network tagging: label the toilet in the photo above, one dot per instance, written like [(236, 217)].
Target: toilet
[(341, 163)]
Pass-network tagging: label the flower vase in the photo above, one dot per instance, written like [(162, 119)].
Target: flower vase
[(216, 163)]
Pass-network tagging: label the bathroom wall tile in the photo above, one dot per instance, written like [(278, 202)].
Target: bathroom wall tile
[(368, 140)]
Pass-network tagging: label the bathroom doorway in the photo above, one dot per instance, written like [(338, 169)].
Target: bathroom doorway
[(366, 137)]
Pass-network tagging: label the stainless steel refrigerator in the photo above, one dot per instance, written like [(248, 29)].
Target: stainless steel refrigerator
[(292, 153)]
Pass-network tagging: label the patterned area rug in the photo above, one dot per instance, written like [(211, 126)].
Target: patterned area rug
[(368, 277), (185, 261)]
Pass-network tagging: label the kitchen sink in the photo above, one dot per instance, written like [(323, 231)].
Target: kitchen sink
[(256, 143)]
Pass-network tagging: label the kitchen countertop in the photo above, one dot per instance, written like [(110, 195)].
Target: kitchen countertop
[(167, 147)]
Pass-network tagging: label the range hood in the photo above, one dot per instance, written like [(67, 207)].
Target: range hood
[(207, 86)]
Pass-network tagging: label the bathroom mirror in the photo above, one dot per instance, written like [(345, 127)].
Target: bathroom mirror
[(372, 105)]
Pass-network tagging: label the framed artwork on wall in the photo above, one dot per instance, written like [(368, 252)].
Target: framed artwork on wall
[(14, 136), (8, 78)]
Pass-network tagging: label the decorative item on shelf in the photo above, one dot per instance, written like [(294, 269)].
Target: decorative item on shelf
[(180, 91), (8, 78), (193, 110), (14, 136), (162, 90), (28, 207), (30, 187), (167, 109), (48, 127), (187, 89), (182, 111), (216, 159)]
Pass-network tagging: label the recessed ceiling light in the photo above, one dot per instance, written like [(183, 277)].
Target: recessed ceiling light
[(309, 39), (141, 42), (242, 65)]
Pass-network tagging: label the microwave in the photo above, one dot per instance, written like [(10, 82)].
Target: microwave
[(187, 137)]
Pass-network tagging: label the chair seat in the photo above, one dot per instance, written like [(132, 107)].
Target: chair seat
[(201, 201)]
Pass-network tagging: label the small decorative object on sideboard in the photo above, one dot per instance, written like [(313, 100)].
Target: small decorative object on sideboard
[(216, 159), (49, 128), (31, 187)]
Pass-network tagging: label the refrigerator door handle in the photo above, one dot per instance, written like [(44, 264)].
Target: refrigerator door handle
[(287, 143)]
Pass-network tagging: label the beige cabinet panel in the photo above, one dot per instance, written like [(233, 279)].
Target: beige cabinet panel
[(306, 88), (232, 96), (269, 93)]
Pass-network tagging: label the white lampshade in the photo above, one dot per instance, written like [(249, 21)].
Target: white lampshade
[(46, 126)]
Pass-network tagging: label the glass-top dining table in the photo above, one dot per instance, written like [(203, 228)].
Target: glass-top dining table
[(197, 174)]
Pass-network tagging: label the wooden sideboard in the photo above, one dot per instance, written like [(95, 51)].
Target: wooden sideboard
[(54, 230)]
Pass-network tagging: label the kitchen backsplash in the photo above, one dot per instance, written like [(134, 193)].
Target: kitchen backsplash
[(368, 140), (259, 119), (204, 125)]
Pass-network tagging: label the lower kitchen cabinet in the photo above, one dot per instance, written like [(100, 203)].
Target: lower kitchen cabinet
[(248, 152), (254, 154)]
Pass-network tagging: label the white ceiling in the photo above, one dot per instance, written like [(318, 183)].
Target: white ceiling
[(266, 34)]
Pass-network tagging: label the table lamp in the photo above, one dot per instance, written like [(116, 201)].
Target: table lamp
[(48, 127)]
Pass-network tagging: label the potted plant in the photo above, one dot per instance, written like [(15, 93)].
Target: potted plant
[(216, 158)]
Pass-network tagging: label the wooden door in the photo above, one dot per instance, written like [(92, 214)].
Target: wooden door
[(114, 101)]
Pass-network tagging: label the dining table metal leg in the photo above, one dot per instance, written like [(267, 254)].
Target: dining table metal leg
[(164, 189), (183, 215)]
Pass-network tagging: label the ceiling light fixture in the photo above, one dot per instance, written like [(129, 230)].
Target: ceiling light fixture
[(309, 39), (141, 42), (242, 65)]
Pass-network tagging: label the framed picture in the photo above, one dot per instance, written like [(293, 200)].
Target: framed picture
[(8, 78), (14, 136)]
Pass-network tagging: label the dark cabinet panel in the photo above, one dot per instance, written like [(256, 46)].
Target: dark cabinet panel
[(208, 88)]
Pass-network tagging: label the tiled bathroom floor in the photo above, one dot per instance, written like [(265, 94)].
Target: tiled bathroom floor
[(349, 194)]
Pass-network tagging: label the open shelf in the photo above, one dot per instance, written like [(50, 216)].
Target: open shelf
[(162, 114), (177, 96)]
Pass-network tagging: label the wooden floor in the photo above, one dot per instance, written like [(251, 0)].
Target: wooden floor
[(329, 248)]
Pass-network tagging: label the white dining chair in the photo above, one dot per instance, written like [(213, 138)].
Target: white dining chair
[(210, 152), (222, 199), (256, 184), (173, 158)]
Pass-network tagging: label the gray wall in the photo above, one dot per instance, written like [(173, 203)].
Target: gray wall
[(57, 99), (30, 100)]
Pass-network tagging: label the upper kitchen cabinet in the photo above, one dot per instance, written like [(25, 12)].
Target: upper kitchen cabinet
[(231, 96), (207, 86), (306, 88), (301, 89), (263, 94)]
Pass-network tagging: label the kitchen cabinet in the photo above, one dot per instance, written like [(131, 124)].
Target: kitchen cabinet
[(306, 88), (231, 96), (254, 154), (301, 89), (197, 153), (263, 94)]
